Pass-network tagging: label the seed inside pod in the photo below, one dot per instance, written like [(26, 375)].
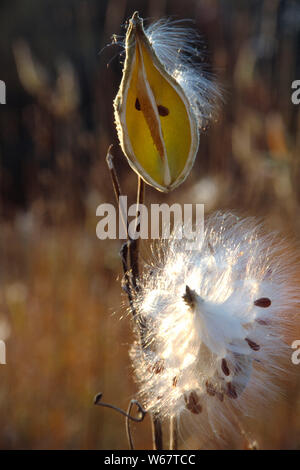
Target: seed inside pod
[(137, 104), (162, 110)]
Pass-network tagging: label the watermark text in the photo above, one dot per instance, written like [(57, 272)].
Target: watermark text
[(137, 221), (2, 92), (296, 354), (296, 94), (2, 352)]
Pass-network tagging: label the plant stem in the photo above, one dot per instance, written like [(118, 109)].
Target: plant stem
[(157, 437), (130, 251), (173, 433)]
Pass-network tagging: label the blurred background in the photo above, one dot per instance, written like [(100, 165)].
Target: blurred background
[(62, 311)]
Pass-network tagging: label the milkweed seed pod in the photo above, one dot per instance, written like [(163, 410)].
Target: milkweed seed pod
[(163, 100)]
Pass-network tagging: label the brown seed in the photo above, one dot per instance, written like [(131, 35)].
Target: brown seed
[(158, 367), (196, 409), (225, 367), (192, 403), (175, 380), (194, 397), (231, 391), (252, 344), (162, 110), (263, 302), (260, 321), (189, 297), (210, 247), (137, 104), (210, 390)]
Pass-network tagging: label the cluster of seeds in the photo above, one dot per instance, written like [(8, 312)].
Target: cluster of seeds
[(216, 319)]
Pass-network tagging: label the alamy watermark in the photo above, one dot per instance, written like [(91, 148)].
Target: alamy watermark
[(296, 354), (2, 101), (296, 94), (2, 352), (295, 97), (2, 92), (188, 219)]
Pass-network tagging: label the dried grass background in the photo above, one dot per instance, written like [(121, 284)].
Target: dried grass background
[(60, 295)]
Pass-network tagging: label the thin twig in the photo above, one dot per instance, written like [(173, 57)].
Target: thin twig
[(142, 412), (173, 433), (134, 244), (157, 436), (130, 250), (128, 431), (124, 250), (130, 263), (116, 184)]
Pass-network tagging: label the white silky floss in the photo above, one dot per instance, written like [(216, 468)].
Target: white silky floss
[(180, 50), (215, 324)]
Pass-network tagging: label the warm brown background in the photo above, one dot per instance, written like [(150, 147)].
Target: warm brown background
[(60, 296)]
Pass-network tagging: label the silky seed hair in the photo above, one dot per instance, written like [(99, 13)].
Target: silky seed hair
[(217, 318), (180, 50)]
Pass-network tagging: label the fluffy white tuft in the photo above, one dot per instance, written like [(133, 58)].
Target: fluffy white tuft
[(216, 320), (179, 49)]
